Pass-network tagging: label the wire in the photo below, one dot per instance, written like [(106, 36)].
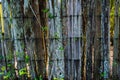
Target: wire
[(34, 14)]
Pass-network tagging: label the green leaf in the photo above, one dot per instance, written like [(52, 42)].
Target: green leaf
[(45, 10), (56, 36), (35, 79), (3, 68), (58, 79), (8, 74), (40, 78), (22, 71), (5, 77), (61, 48), (44, 28), (9, 65), (27, 58), (103, 74), (55, 79), (50, 15)]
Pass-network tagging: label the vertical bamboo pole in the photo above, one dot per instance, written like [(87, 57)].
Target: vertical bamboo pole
[(1, 17)]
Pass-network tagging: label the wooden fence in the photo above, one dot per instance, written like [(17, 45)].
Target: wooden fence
[(60, 40)]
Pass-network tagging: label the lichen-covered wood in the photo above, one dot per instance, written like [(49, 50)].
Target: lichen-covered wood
[(73, 37), (58, 39), (105, 39), (56, 56), (97, 41), (116, 55)]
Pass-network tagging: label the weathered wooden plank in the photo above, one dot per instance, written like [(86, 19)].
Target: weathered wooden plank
[(89, 39), (73, 30), (55, 47), (116, 65), (105, 39), (97, 42)]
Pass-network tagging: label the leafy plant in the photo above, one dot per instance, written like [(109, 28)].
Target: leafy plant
[(61, 48), (9, 65), (45, 10), (58, 79), (3, 68), (103, 74), (56, 36), (44, 28), (50, 15), (40, 77), (22, 71), (7, 76), (27, 58)]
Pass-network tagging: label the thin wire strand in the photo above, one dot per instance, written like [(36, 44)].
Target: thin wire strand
[(34, 14)]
